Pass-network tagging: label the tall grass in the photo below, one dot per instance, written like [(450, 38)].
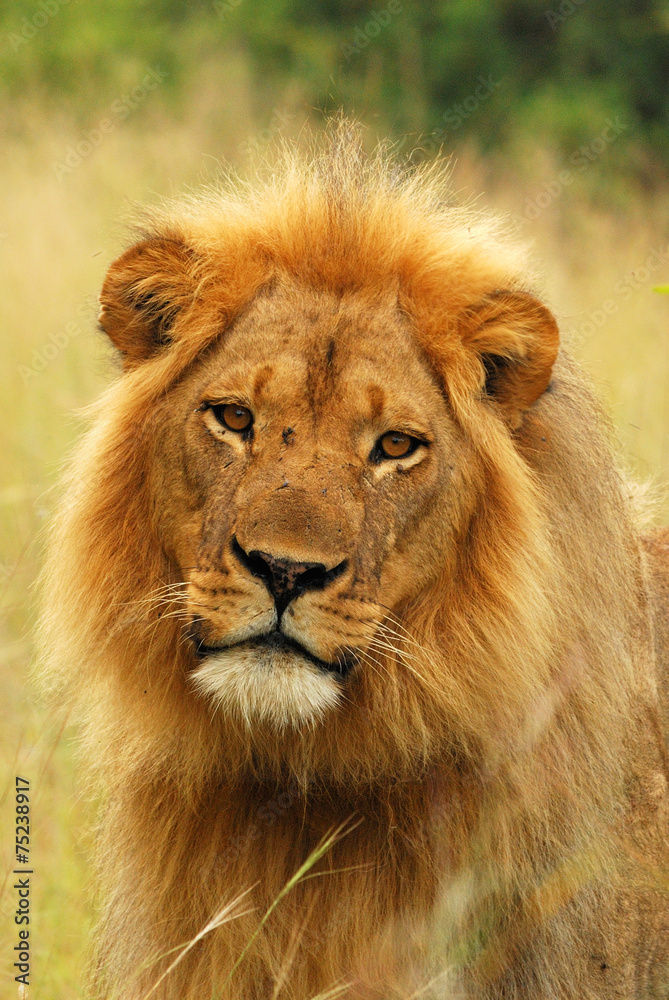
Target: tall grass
[(56, 238)]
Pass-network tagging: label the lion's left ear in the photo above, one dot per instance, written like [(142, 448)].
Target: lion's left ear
[(143, 292), (516, 339)]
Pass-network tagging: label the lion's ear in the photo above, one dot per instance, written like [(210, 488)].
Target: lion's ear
[(516, 339), (142, 294)]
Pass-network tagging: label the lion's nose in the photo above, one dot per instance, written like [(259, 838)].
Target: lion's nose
[(285, 579)]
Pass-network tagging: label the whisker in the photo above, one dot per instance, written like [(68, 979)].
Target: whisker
[(370, 660), (393, 649), (401, 658), (405, 637), (164, 590), (408, 629)]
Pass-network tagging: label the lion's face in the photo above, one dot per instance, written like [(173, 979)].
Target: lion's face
[(314, 439), (320, 492)]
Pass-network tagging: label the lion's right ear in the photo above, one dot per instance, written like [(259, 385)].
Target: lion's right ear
[(516, 339), (142, 294)]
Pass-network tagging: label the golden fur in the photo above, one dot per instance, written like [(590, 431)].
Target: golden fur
[(472, 703)]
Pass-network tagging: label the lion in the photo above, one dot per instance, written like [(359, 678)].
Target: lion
[(353, 604)]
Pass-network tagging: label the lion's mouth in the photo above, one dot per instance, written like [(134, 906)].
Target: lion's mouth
[(277, 642)]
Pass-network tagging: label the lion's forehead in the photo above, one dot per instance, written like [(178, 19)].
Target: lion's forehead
[(322, 354)]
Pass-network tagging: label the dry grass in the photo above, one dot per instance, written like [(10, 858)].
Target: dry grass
[(56, 238)]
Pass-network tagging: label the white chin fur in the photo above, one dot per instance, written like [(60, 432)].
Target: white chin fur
[(260, 685)]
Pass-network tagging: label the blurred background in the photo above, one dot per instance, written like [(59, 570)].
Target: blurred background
[(555, 112)]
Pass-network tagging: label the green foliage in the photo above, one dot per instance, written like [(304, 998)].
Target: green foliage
[(555, 70)]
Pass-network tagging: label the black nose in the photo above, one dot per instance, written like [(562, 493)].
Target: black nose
[(285, 579)]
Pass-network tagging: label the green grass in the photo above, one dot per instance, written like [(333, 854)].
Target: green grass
[(57, 237)]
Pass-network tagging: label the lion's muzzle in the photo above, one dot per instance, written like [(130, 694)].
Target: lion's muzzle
[(275, 657)]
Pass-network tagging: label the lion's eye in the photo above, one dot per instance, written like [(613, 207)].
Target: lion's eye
[(234, 417), (394, 444)]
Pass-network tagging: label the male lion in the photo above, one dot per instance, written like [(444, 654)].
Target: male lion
[(352, 602)]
